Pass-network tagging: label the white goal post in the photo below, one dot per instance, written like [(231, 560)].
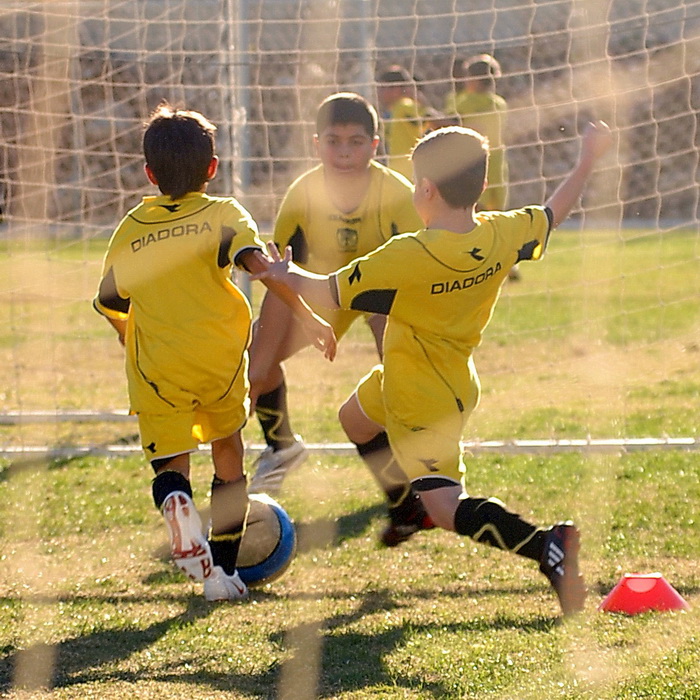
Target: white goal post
[(79, 77)]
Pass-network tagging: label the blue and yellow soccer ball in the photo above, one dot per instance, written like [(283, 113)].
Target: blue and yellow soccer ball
[(269, 542)]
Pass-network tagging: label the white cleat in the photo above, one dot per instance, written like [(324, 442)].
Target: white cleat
[(273, 466), (220, 586), (188, 545)]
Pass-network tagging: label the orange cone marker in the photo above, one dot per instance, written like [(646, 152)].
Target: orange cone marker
[(638, 593)]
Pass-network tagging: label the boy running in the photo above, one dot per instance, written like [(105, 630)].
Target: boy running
[(166, 289), (439, 287)]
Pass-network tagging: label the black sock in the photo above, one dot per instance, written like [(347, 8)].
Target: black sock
[(229, 512), (378, 457), (273, 414), (488, 521), (165, 483)]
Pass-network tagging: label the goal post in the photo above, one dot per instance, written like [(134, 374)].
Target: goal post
[(617, 298)]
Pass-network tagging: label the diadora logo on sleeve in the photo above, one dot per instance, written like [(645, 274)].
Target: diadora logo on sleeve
[(192, 229), (465, 282)]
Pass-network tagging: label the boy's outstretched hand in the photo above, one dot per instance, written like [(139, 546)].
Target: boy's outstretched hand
[(321, 334), (273, 271), (597, 139)]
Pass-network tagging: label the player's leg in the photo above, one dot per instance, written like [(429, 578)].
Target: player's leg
[(406, 513), (167, 441), (488, 521), (229, 512), (285, 450), (432, 458), (220, 423)]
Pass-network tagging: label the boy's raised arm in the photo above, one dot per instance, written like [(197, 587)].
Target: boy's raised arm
[(597, 138)]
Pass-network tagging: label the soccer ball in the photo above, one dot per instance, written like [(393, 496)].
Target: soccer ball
[(269, 542)]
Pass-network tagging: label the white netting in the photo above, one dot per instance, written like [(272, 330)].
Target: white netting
[(77, 80)]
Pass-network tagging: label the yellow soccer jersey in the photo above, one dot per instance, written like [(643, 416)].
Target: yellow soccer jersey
[(167, 272), (439, 290), (485, 112), (402, 131), (323, 238)]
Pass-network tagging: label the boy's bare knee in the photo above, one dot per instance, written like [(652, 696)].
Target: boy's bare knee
[(357, 426), (441, 504)]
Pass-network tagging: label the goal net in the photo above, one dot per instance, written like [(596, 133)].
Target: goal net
[(600, 340)]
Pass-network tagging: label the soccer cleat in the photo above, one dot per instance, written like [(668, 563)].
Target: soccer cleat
[(220, 586), (274, 465), (188, 545), (559, 564), (403, 525)]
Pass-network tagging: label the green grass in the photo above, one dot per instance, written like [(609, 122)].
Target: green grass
[(88, 590), (600, 340)]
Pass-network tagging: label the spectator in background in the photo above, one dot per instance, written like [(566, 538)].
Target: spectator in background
[(481, 108), (404, 113)]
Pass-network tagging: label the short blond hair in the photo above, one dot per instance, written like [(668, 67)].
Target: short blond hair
[(455, 159)]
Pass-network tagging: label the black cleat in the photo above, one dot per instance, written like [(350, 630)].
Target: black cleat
[(559, 564), (404, 521)]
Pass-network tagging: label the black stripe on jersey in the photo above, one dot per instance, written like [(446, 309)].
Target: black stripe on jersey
[(441, 377), (148, 381), (227, 236), (300, 248), (376, 301), (108, 295), (440, 262), (169, 219), (236, 373)]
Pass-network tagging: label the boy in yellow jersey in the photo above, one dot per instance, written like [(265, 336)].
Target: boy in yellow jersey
[(479, 107), (341, 209), (403, 117), (166, 289), (439, 287)]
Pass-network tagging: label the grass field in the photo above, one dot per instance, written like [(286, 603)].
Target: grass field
[(599, 340)]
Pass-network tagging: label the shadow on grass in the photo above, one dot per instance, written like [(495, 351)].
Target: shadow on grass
[(77, 660), (349, 661), (325, 657), (324, 532)]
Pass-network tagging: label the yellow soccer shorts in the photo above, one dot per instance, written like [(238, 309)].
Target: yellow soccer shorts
[(428, 443), (180, 429)]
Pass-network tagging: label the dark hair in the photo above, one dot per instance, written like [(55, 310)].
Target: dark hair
[(347, 108), (455, 159), (178, 145), (395, 74), (483, 65)]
